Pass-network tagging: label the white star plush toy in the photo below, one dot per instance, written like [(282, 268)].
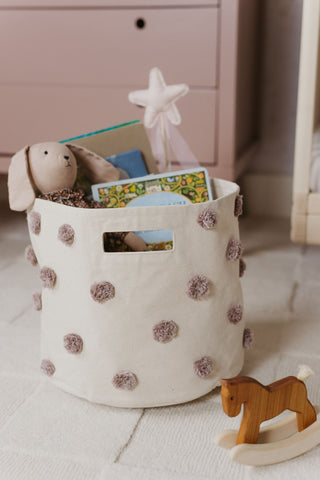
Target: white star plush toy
[(160, 117), (159, 100)]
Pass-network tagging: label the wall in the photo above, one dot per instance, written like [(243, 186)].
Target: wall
[(281, 24)]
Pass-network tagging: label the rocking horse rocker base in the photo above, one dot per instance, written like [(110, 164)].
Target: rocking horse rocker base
[(292, 435)]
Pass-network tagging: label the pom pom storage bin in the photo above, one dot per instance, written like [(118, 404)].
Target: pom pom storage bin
[(149, 287)]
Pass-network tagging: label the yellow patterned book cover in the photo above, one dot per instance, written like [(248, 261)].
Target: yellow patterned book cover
[(172, 188)]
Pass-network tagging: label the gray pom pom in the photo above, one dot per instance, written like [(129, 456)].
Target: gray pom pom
[(37, 301), (34, 221), (47, 368), (66, 234), (102, 291), (125, 380), (248, 338), (165, 331), (235, 314), (234, 250), (30, 256), (203, 367), (73, 343), (207, 218), (198, 287), (48, 277)]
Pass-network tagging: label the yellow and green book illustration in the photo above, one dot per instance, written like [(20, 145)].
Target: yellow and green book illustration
[(173, 188)]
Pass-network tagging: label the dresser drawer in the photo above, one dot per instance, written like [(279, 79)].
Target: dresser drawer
[(35, 114), (106, 48)]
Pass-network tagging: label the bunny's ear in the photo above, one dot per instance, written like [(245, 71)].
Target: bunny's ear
[(95, 167), (21, 193)]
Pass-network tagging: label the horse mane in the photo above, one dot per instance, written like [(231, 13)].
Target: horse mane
[(238, 380)]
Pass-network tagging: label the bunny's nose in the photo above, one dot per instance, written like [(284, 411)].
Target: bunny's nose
[(68, 163)]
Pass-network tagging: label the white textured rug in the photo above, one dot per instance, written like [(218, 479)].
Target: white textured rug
[(48, 434)]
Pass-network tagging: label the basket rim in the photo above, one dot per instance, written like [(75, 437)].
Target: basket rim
[(224, 189)]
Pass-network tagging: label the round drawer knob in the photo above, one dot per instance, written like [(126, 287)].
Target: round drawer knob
[(140, 23)]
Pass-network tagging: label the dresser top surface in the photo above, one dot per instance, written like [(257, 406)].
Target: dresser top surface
[(95, 4)]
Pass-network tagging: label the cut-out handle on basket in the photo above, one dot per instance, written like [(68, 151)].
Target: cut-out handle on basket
[(143, 241)]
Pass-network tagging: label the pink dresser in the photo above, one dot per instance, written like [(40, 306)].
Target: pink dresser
[(67, 67)]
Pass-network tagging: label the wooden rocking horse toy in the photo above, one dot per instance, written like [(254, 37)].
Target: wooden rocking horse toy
[(287, 438)]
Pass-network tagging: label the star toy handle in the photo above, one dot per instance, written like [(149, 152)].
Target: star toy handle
[(159, 102)]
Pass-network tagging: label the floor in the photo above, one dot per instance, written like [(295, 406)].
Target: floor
[(48, 434)]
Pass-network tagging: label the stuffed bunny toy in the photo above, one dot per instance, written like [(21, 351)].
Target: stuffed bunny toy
[(52, 166)]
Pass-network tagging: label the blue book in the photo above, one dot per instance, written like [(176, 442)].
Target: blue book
[(131, 162)]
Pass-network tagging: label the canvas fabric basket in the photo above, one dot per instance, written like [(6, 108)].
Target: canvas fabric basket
[(150, 287)]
